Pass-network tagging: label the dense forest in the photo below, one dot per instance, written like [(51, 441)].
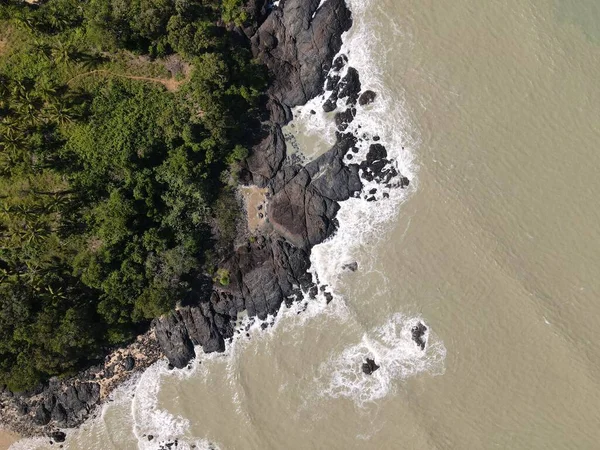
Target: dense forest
[(122, 124)]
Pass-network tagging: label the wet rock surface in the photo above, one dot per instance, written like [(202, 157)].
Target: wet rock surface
[(366, 98), (418, 333), (369, 367), (67, 403)]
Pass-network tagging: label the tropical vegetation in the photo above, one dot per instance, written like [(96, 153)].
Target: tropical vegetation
[(122, 124)]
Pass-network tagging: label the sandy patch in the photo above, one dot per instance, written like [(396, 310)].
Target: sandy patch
[(7, 439), (255, 202)]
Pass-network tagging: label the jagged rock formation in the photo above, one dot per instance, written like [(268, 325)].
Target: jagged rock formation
[(297, 42)]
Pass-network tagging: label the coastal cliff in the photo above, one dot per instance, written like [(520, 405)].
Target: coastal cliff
[(297, 41)]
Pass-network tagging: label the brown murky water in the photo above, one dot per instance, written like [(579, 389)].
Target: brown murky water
[(496, 248)]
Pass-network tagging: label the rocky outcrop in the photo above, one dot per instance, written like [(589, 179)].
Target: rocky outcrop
[(262, 274), (67, 403), (304, 207), (297, 42)]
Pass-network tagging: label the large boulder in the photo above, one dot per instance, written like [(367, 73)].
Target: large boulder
[(174, 339)]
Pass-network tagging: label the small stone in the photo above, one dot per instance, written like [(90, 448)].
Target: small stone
[(150, 437), (369, 367), (367, 98)]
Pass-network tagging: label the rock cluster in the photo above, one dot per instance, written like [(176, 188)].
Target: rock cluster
[(67, 403)]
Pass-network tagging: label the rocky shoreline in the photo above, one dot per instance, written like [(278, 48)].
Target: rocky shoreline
[(297, 41)]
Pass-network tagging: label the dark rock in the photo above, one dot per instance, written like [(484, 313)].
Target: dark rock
[(349, 86), (150, 437), (59, 414), (88, 393), (369, 367), (373, 191), (22, 408), (332, 82), (303, 212), (404, 182), (297, 42), (376, 166), (58, 436), (331, 103), (266, 157), (376, 138), (376, 151), (128, 363), (313, 112), (418, 331), (344, 118), (328, 297), (174, 339), (367, 98), (339, 63), (49, 401), (42, 416), (349, 156)]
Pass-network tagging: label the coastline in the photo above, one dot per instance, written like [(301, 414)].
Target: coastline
[(273, 267)]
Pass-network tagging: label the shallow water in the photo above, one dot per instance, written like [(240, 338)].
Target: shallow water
[(495, 246)]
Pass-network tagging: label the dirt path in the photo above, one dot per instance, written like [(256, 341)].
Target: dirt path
[(171, 84)]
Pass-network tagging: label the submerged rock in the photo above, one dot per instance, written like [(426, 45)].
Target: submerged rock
[(366, 98), (352, 267), (369, 367), (418, 331)]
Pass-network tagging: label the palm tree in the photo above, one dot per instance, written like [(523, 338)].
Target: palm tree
[(61, 113), (62, 52)]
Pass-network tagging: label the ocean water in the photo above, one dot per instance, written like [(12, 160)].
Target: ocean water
[(492, 109)]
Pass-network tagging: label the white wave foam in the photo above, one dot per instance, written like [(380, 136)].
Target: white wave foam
[(387, 118), (362, 222), (392, 348)]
